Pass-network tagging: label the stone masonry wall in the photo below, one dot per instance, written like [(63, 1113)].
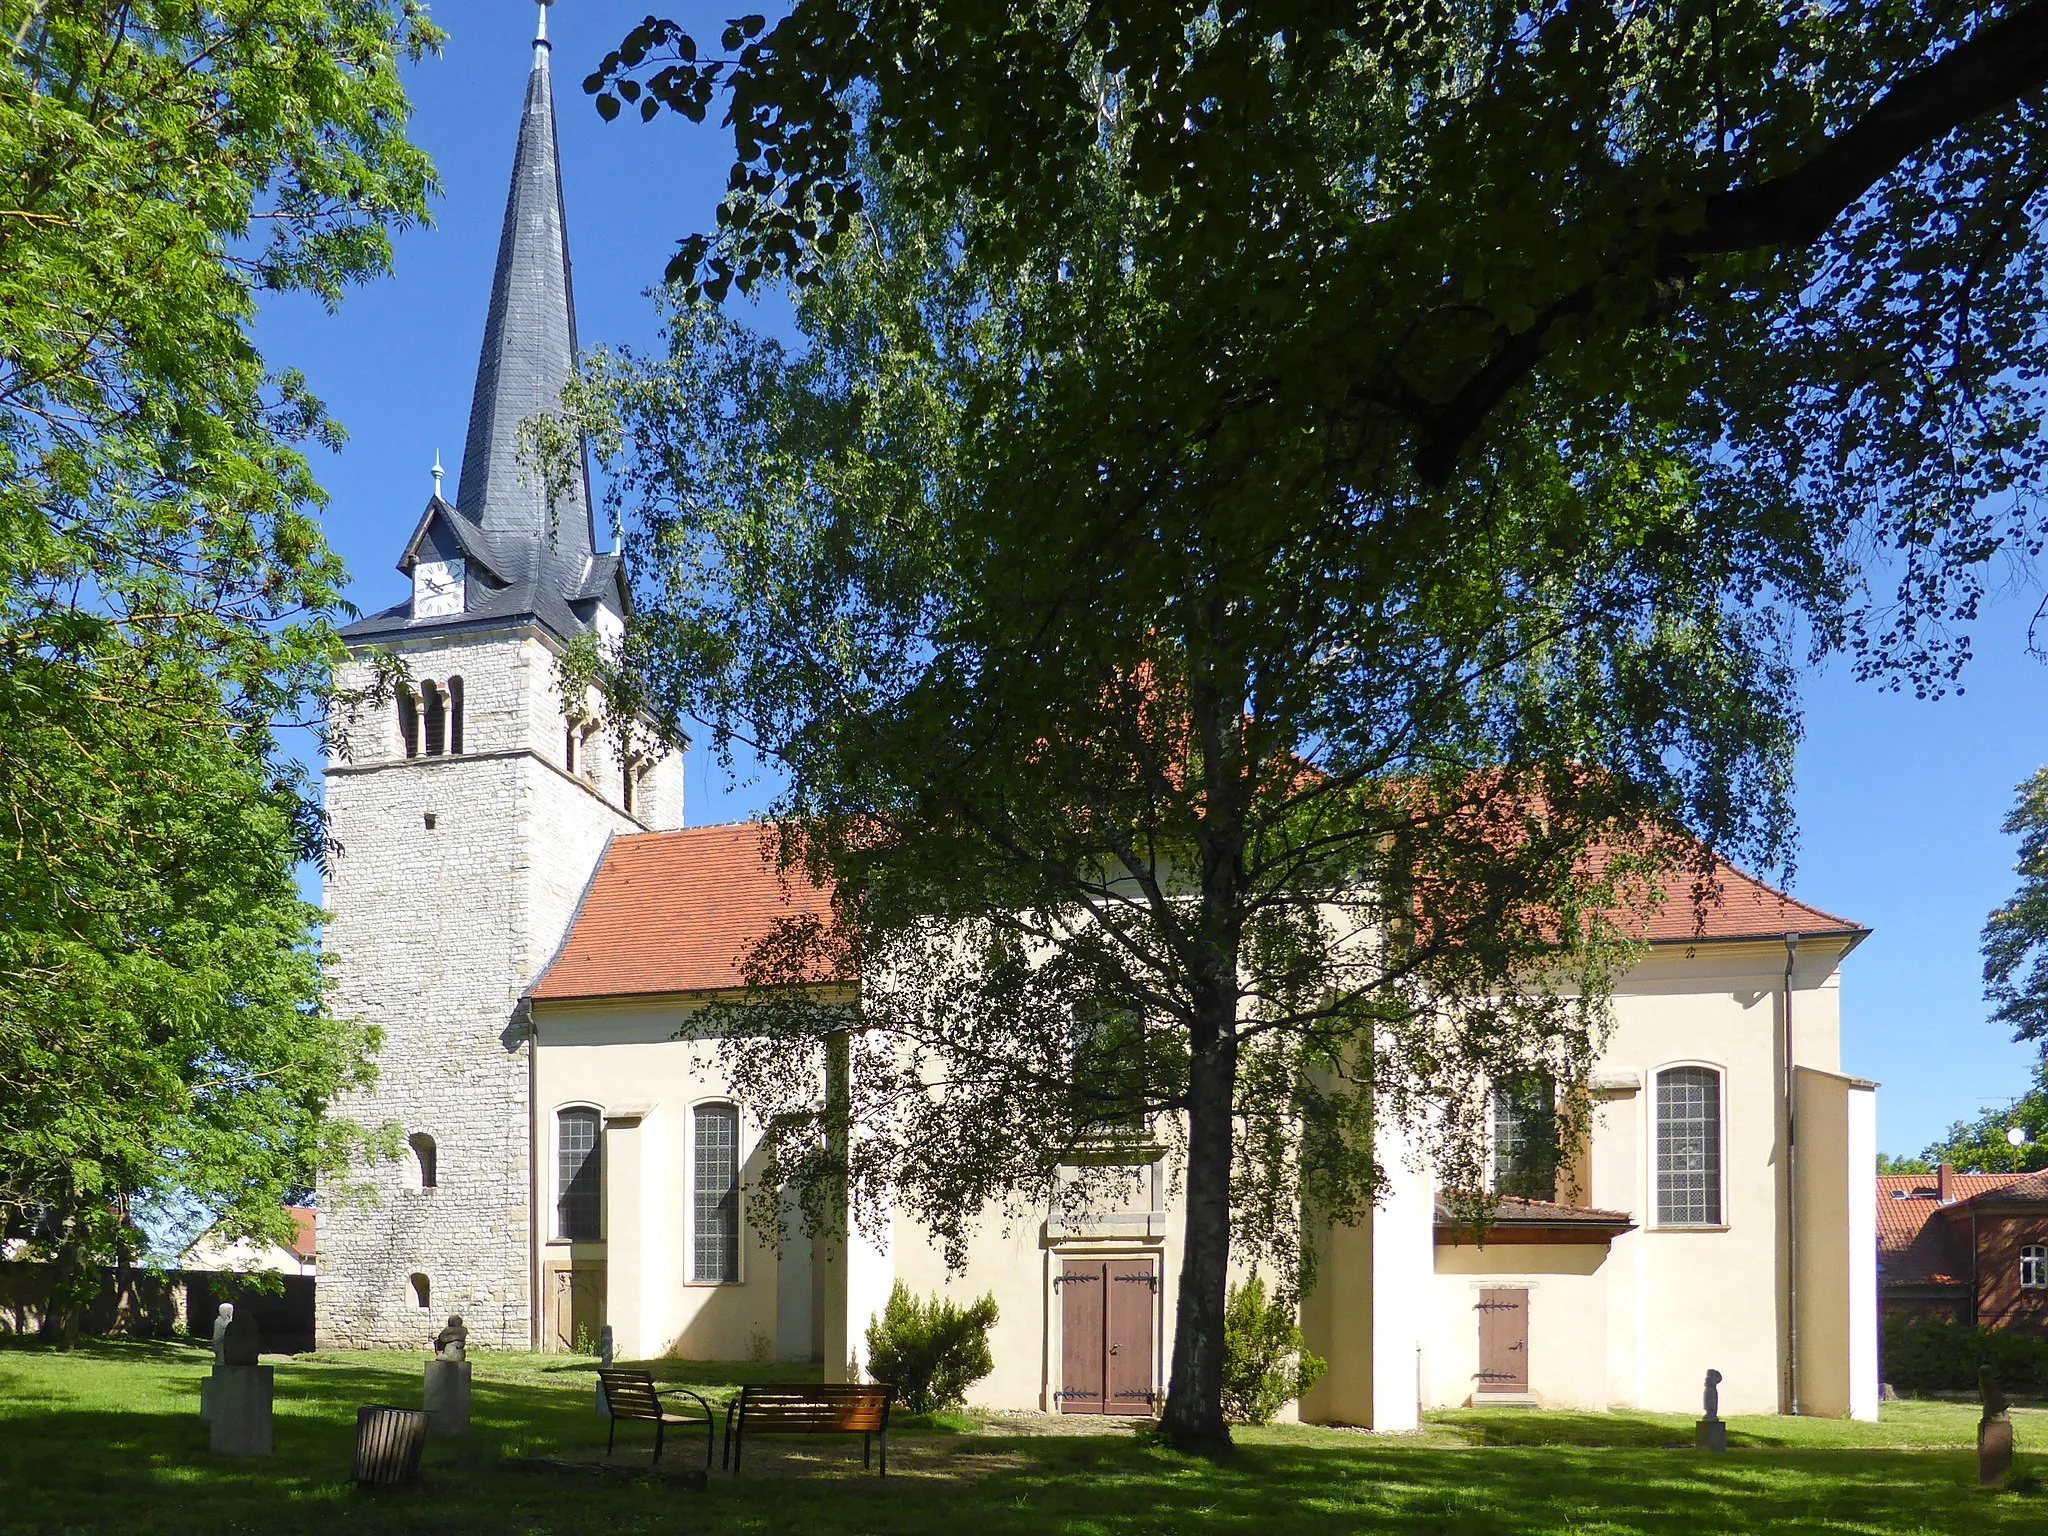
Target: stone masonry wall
[(435, 934)]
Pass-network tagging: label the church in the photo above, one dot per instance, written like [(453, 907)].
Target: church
[(518, 903)]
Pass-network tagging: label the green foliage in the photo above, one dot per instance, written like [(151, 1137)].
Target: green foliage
[(1981, 1145), (932, 1351), (166, 598), (1930, 1356), (1266, 1362), (2016, 934), (1886, 1163)]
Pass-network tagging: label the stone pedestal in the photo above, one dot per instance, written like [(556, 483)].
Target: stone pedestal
[(239, 1409), (1710, 1435), (1994, 1451), (206, 1397), (447, 1398)]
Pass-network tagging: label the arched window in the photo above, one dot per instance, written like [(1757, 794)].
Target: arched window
[(422, 1293), (579, 1176), (425, 1159), (627, 781), (454, 714), (437, 719), (715, 1252), (1525, 1136), (1688, 1147), (2034, 1267), (408, 721)]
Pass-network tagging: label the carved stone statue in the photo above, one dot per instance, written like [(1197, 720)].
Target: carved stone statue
[(604, 1348), (1995, 1405), (221, 1320), (452, 1342), (236, 1339), (1713, 1395), (1994, 1432)]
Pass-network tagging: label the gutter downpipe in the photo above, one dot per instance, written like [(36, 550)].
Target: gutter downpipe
[(1791, 1192), (534, 1300)]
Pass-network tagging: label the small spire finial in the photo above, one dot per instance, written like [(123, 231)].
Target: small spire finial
[(438, 472), (541, 45)]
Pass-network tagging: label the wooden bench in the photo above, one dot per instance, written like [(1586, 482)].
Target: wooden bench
[(808, 1408), (632, 1395)]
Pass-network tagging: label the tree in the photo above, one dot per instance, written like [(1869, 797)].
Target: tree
[(1984, 1145), (1886, 1163), (1364, 463), (165, 595), (1226, 810), (2016, 934)]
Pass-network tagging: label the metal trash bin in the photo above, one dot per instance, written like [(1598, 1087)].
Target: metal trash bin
[(388, 1446)]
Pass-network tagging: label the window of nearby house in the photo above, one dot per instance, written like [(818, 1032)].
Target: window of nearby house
[(716, 1162), (1525, 1136), (2034, 1267), (436, 711), (425, 1159), (455, 714), (1689, 1147), (579, 1176), (408, 721)]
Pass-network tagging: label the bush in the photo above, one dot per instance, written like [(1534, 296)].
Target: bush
[(1266, 1362), (1924, 1355), (931, 1352)]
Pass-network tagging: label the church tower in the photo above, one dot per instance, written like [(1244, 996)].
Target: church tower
[(468, 814)]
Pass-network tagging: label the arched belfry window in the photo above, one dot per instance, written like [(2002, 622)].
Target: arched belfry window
[(426, 1159), (454, 714), (408, 721), (437, 719)]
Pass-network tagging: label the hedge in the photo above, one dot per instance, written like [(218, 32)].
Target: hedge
[(1926, 1356)]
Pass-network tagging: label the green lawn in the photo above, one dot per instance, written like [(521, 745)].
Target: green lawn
[(109, 1440)]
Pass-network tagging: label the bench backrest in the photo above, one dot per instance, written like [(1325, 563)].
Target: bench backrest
[(630, 1394), (810, 1406)]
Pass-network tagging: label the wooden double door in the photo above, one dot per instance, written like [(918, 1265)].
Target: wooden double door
[(1109, 1316)]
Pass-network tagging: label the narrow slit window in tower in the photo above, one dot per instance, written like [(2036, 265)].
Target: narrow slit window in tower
[(408, 721), (437, 720), (454, 714)]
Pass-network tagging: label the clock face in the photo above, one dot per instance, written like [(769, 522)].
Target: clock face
[(436, 588)]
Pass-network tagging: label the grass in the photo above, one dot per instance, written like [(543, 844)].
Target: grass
[(109, 1439)]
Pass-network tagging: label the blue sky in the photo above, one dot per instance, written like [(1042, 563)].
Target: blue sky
[(1899, 800)]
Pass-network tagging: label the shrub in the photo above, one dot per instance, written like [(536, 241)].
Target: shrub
[(1927, 1355), (1266, 1362), (931, 1352)]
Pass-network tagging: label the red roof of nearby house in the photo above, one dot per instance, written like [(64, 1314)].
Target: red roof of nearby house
[(305, 1220), (672, 912), (1732, 905), (1915, 1249)]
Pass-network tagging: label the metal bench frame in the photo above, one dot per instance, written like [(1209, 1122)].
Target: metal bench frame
[(643, 1405), (808, 1408)]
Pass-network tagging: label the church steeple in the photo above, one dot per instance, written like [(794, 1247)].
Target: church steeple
[(503, 553), (529, 353)]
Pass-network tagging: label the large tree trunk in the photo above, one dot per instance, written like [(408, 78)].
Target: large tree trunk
[(1193, 1420), (65, 1308)]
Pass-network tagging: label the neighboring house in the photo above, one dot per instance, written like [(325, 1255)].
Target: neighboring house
[(211, 1253), (516, 905), (1967, 1247)]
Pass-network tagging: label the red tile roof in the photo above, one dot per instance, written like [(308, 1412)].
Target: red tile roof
[(305, 1224), (1731, 905), (1915, 1249), (672, 912)]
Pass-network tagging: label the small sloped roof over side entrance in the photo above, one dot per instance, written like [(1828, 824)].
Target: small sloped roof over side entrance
[(674, 912)]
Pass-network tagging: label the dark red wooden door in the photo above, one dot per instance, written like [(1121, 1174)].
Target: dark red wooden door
[(1084, 1309), (1108, 1318), (1133, 1291), (1503, 1341)]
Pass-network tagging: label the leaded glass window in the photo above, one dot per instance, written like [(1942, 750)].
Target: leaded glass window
[(1689, 1147), (579, 1176), (1525, 1137), (716, 1253)]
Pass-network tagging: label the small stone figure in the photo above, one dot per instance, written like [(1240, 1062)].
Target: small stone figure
[(1994, 1433), (452, 1342), (604, 1363), (1711, 1434), (225, 1316), (240, 1342)]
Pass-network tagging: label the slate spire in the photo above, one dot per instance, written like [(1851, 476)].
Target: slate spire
[(528, 355)]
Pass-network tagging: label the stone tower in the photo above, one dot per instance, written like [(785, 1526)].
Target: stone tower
[(468, 814)]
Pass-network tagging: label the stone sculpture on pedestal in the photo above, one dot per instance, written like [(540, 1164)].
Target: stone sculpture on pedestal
[(604, 1363), (237, 1402), (446, 1397), (1711, 1433)]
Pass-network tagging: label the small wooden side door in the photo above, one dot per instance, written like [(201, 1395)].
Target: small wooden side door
[(1084, 1309), (1133, 1295), (1503, 1341)]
